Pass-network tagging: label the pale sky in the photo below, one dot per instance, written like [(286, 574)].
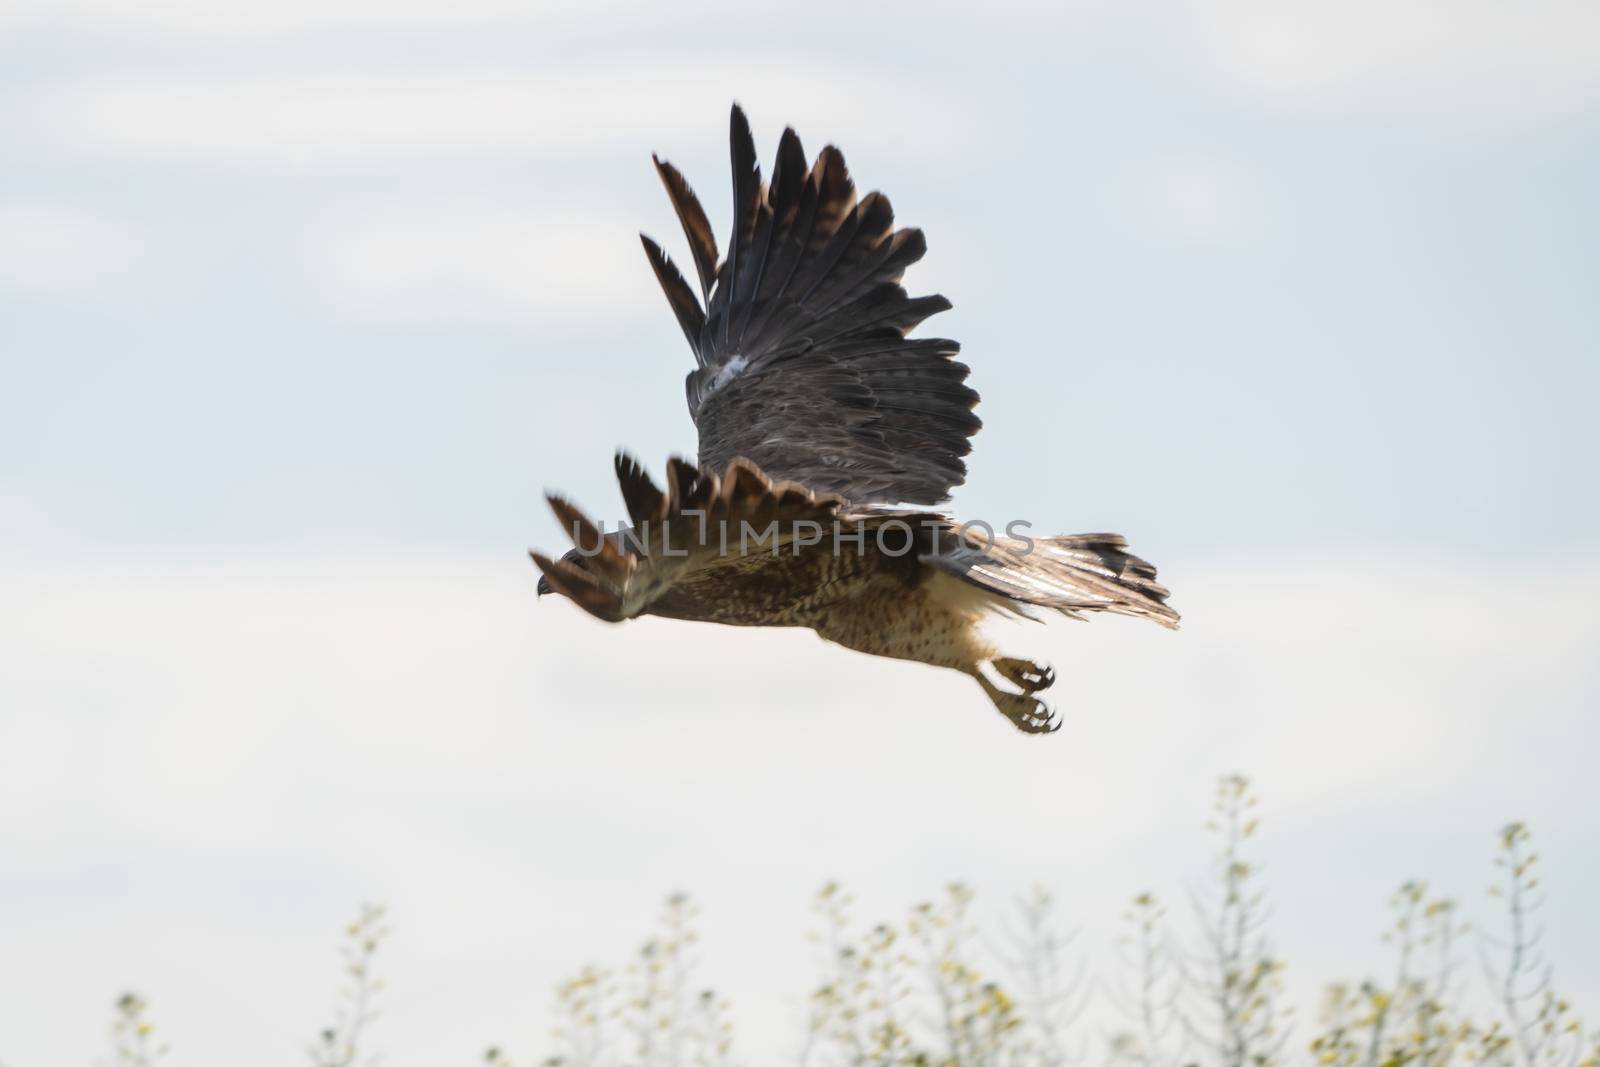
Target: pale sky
[(303, 305)]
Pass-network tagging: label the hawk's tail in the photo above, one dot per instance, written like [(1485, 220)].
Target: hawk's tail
[(1072, 575)]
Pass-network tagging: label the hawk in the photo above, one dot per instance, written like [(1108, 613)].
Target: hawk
[(828, 441)]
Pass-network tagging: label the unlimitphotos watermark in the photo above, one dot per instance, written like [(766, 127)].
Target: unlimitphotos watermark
[(888, 537)]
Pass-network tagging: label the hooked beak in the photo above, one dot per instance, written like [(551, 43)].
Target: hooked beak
[(544, 584)]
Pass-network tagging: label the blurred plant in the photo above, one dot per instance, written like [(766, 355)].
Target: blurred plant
[(584, 1013), (133, 1037), (928, 993), (856, 1013), (1052, 993), (653, 1017), (917, 995), (1235, 977), (977, 1017), (1148, 989), (1412, 1020), (339, 1045), (1540, 1028)]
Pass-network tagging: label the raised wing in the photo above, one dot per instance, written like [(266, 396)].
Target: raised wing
[(804, 364)]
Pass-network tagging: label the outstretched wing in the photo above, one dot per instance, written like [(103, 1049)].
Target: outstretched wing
[(679, 557), (804, 363)]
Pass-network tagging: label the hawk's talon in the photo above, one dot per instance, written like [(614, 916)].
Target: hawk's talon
[(1024, 710), (1026, 675)]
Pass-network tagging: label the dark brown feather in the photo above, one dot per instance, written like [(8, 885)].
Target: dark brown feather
[(804, 364), (646, 502), (696, 227), (746, 211), (679, 296)]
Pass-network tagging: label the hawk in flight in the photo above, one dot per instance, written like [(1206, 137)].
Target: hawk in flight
[(828, 439)]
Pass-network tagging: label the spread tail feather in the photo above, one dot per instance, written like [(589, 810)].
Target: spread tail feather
[(1072, 575)]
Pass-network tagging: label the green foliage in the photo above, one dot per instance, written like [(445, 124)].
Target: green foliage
[(930, 991)]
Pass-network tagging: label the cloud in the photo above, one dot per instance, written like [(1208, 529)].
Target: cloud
[(299, 121), (239, 19), (1467, 62), (258, 18), (1194, 200), (1481, 64), (51, 251), (422, 263)]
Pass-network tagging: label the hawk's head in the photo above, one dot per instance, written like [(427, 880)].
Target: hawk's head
[(593, 573), (572, 558)]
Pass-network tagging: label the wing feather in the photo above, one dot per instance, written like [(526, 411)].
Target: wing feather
[(676, 535), (680, 297), (696, 227), (805, 367)]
